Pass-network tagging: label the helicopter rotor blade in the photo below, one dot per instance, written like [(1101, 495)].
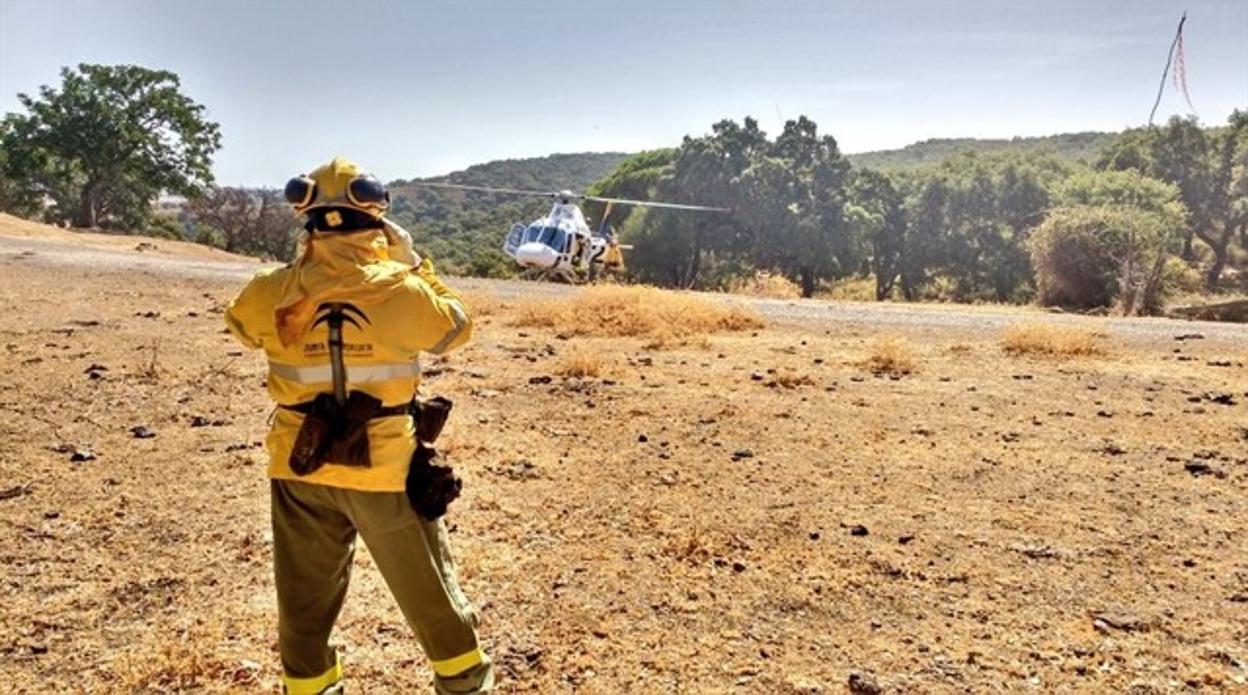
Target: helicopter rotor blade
[(653, 204), (556, 194), (484, 189)]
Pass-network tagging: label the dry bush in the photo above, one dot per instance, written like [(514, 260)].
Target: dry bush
[(482, 303), (892, 356), (1046, 339), (768, 286), (790, 379), (662, 317), (579, 362), (151, 371), (693, 548), (850, 290)]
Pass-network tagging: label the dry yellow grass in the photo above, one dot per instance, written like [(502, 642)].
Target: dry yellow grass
[(790, 379), (851, 290), (767, 285), (1049, 340), (892, 356), (662, 317), (483, 303), (190, 661), (579, 362)]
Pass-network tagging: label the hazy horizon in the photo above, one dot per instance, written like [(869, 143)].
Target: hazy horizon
[(423, 89)]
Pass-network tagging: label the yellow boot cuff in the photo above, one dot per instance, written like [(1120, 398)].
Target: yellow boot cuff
[(316, 684), (457, 664)]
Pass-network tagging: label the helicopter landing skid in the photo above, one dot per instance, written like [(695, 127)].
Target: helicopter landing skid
[(550, 275)]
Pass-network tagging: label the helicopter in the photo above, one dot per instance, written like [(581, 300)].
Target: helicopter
[(561, 246)]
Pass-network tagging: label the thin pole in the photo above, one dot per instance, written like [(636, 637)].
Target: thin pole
[(1169, 57)]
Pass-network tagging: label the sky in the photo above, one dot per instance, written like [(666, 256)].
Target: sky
[(423, 88)]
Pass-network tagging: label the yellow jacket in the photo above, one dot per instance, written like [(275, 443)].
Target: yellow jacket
[(405, 311)]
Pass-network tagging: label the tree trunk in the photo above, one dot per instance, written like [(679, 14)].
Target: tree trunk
[(87, 205), (1221, 256), (1152, 288), (808, 281), (884, 286), (1127, 286), (909, 288), (1001, 285), (1215, 271), (695, 265)]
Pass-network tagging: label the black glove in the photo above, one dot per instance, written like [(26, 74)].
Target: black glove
[(430, 487)]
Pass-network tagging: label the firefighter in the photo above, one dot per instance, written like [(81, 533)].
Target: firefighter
[(343, 328)]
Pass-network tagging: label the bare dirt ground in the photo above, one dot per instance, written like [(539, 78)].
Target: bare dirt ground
[(753, 512)]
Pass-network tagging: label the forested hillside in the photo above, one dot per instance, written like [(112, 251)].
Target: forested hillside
[(1078, 147), (463, 230), (556, 171)]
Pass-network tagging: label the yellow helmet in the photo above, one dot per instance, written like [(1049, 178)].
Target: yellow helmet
[(341, 183)]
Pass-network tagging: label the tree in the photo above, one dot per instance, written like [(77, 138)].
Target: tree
[(10, 194), (877, 210), (635, 178), (680, 248), (1203, 166), (707, 171), (794, 197), (102, 147), (253, 222), (1228, 207), (994, 203), (666, 252), (1239, 178), (1107, 241), (787, 200), (927, 237), (969, 220)]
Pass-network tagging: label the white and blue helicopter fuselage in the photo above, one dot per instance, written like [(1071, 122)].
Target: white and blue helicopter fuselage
[(560, 244)]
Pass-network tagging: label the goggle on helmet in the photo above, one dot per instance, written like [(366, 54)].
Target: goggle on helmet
[(338, 184)]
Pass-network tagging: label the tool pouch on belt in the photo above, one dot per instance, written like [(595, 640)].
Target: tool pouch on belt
[(315, 434), (334, 433), (431, 487), (431, 416)]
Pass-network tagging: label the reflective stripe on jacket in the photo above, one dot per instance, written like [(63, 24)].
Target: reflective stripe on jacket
[(395, 312)]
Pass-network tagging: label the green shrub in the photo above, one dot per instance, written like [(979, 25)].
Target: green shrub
[(1107, 242)]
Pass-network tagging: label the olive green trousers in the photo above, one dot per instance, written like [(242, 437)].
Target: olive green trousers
[(314, 531)]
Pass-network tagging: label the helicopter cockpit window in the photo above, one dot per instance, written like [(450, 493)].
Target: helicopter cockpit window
[(532, 234), (554, 237)]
